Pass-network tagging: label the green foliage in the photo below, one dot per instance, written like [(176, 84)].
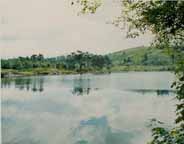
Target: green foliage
[(77, 62), (84, 61), (135, 59), (163, 136), (165, 19), (122, 68), (179, 85), (87, 6), (141, 56)]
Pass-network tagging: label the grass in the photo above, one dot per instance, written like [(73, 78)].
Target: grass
[(155, 56), (54, 71), (35, 71), (141, 68)]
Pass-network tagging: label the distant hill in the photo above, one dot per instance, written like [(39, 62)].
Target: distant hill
[(141, 56)]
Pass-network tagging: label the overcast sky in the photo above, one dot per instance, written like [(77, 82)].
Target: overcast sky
[(52, 27)]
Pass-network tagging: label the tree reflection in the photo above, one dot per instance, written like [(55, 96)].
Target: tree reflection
[(6, 83), (158, 92), (163, 92), (81, 86), (35, 84)]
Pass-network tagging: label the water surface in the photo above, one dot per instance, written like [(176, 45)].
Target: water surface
[(85, 109)]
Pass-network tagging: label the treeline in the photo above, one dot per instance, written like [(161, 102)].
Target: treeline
[(135, 59), (76, 61)]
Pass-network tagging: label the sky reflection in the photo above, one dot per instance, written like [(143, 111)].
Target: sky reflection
[(103, 112)]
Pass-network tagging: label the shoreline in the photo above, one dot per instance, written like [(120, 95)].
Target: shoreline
[(10, 73)]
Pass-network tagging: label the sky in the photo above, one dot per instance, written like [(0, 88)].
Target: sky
[(53, 28)]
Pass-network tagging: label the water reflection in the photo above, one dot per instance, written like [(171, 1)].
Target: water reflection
[(158, 92), (101, 132), (81, 91), (82, 86), (6, 82), (28, 83), (116, 110)]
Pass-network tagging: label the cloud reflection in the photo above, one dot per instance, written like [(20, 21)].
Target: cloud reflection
[(110, 114)]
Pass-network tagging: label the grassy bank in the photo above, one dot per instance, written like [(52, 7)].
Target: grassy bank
[(141, 68), (53, 71), (35, 71)]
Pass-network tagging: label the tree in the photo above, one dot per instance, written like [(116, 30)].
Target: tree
[(5, 64), (145, 59), (34, 57), (18, 65), (40, 57), (87, 5)]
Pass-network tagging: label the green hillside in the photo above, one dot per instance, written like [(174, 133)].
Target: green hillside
[(141, 56)]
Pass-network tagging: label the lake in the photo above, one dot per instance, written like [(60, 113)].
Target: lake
[(117, 108)]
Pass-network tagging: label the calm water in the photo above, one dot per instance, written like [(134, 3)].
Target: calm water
[(85, 109)]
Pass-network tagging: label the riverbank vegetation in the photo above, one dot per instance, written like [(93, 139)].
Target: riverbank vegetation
[(135, 59), (76, 62)]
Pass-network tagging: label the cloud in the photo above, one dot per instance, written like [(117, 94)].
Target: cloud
[(53, 28)]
